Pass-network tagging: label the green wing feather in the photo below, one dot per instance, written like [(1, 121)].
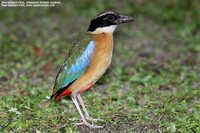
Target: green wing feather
[(76, 63)]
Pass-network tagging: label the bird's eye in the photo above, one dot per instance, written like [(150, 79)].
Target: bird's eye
[(110, 18)]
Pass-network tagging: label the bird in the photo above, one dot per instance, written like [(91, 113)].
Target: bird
[(87, 61)]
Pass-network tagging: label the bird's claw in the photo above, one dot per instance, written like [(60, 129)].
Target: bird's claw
[(89, 125), (89, 118)]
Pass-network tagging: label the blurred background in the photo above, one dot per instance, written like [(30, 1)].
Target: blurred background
[(152, 84)]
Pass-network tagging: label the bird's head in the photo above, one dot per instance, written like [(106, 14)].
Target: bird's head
[(107, 22)]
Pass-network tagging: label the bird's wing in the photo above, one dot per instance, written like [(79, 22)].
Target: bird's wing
[(75, 64)]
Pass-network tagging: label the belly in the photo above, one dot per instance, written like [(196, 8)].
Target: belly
[(95, 71), (99, 66)]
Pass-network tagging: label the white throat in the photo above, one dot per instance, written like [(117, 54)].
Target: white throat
[(109, 29)]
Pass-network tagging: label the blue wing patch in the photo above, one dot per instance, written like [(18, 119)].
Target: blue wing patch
[(79, 67)]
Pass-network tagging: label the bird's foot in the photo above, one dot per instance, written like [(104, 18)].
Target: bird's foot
[(89, 125), (89, 118)]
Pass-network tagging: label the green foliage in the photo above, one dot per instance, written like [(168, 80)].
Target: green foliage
[(151, 86)]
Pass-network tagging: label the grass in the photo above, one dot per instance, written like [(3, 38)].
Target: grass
[(151, 86)]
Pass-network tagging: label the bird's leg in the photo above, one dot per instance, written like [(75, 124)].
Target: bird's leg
[(84, 122), (87, 116)]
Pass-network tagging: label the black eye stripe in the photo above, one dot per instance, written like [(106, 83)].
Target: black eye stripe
[(102, 21), (110, 18)]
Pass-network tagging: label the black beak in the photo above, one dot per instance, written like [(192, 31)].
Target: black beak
[(124, 19)]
